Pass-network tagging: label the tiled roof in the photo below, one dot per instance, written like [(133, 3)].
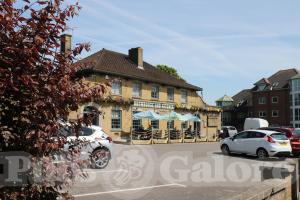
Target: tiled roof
[(280, 79), (295, 77), (244, 96), (118, 64)]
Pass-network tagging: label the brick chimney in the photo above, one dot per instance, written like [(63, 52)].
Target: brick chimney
[(65, 43), (136, 55)]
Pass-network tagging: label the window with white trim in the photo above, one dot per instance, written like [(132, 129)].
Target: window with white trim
[(155, 124), (116, 118), (136, 123), (262, 113), (136, 89), (296, 85), (116, 88), (274, 99), (275, 113), (170, 93), (170, 125), (297, 114), (184, 96), (155, 91), (262, 100), (297, 99)]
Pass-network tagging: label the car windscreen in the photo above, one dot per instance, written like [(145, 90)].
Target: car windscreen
[(64, 131), (279, 136), (86, 131)]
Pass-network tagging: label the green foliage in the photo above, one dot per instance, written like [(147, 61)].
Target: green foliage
[(170, 70)]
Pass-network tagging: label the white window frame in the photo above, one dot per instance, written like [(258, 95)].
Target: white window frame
[(116, 91), (260, 100), (260, 113), (296, 85), (273, 113), (119, 118), (297, 114), (155, 124), (171, 125), (296, 100), (155, 92), (136, 123), (134, 92), (277, 99), (184, 99), (168, 94)]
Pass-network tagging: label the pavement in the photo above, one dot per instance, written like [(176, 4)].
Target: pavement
[(175, 172)]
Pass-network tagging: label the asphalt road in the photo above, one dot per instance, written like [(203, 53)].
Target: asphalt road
[(175, 172)]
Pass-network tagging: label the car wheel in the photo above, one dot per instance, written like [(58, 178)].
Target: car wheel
[(225, 149), (100, 158), (262, 154)]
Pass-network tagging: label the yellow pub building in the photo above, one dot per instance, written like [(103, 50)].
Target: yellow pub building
[(138, 86)]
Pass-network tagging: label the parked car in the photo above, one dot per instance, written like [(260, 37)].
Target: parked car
[(295, 141), (262, 143), (292, 133), (255, 123), (99, 147), (227, 131)]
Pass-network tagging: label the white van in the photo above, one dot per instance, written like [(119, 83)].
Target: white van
[(255, 123)]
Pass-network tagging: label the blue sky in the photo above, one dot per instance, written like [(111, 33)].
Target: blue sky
[(221, 46)]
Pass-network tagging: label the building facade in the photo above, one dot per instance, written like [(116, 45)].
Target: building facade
[(295, 101), (226, 104), (274, 98), (271, 98), (138, 86)]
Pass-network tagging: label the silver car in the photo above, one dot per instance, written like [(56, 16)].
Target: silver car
[(98, 145)]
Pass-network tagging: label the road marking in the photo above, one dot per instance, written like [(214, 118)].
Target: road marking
[(131, 189)]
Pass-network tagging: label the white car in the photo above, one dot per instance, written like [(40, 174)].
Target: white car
[(262, 143), (98, 147)]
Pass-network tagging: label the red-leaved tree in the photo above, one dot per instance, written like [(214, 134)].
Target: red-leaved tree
[(38, 84)]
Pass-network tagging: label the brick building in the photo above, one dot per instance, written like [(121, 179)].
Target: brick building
[(271, 98)]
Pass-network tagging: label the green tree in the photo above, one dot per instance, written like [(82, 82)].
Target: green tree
[(170, 70)]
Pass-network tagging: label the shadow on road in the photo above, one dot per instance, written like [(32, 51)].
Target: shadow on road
[(249, 157)]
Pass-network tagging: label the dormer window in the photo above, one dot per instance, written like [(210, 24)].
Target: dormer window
[(261, 87)]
